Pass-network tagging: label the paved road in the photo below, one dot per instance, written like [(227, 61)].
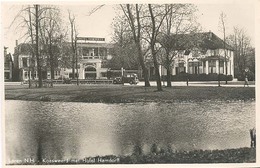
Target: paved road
[(199, 83)]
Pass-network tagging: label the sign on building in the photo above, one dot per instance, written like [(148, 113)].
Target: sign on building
[(90, 39)]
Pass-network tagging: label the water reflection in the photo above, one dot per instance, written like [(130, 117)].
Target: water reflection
[(56, 130)]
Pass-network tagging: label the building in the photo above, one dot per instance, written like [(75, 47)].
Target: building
[(92, 54), (195, 54), (22, 62), (200, 53), (8, 65)]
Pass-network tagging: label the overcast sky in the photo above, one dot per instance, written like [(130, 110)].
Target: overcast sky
[(99, 23)]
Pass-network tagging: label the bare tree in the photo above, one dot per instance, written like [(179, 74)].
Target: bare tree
[(124, 51), (34, 21), (132, 13), (223, 29), (179, 19), (51, 35), (73, 41), (243, 51), (156, 25)]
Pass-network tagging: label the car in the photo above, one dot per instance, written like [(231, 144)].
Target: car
[(128, 78), (117, 80)]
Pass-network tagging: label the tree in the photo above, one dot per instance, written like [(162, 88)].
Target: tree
[(124, 50), (156, 25), (132, 13), (244, 54), (39, 69), (51, 36), (41, 28), (179, 19), (223, 29), (73, 41)]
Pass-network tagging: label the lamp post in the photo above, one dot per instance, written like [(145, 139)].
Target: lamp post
[(122, 74), (219, 71), (29, 72), (76, 54)]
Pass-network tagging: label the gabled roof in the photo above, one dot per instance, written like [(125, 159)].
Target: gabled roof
[(204, 41)]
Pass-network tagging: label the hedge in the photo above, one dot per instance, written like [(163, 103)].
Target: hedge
[(197, 77)]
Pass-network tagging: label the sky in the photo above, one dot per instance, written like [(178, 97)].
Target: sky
[(99, 23)]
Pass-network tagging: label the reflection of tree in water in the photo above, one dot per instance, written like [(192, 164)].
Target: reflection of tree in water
[(53, 138), (139, 127), (131, 128)]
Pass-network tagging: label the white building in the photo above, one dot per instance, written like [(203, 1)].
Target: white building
[(93, 53), (207, 58)]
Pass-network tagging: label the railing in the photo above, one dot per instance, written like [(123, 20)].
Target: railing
[(49, 82), (93, 81)]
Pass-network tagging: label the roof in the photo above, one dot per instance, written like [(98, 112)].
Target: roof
[(26, 48), (94, 45), (205, 40)]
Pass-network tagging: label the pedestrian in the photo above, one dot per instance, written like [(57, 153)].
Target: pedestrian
[(246, 81), (253, 137)]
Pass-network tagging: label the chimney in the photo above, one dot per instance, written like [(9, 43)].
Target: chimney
[(210, 35), (5, 51), (16, 42)]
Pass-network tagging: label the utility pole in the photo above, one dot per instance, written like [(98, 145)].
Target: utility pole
[(219, 70), (76, 55), (225, 56), (29, 73)]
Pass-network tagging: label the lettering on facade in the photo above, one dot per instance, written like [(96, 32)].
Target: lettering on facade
[(91, 39)]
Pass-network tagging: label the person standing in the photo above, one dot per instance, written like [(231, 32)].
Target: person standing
[(246, 78)]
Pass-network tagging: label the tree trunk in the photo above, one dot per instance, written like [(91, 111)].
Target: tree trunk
[(51, 60), (152, 43), (157, 73), (168, 68), (37, 46), (169, 74), (73, 66), (73, 49), (144, 69)]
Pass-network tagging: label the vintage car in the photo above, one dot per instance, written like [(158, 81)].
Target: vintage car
[(128, 78)]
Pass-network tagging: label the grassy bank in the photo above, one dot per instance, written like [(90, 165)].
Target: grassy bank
[(125, 94), (240, 155)]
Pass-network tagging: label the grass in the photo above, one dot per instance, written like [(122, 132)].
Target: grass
[(129, 94), (240, 155)]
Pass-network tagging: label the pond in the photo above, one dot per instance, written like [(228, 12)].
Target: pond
[(78, 130)]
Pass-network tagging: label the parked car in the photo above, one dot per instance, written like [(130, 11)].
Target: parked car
[(128, 78), (117, 80)]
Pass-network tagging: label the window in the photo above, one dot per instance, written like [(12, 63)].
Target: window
[(85, 51), (35, 74), (25, 62), (212, 66), (221, 66), (96, 51), (25, 75), (181, 64), (57, 73)]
